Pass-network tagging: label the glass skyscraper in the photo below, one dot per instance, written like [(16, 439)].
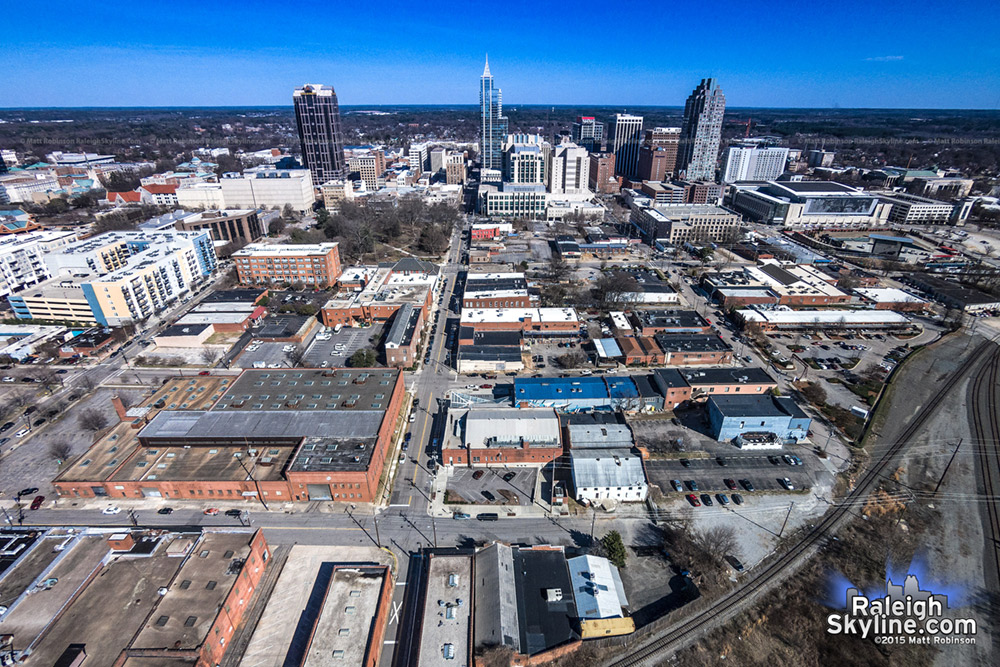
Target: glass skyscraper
[(493, 123), (702, 131), (317, 116)]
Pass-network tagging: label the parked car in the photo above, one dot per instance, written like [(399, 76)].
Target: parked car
[(735, 563), (211, 511), (28, 491), (462, 516), (737, 499), (730, 483), (692, 485), (507, 476), (487, 516), (786, 483), (7, 426), (723, 500), (37, 502), (478, 474), (204, 373), (23, 432), (685, 463), (165, 510), (111, 509), (234, 512), (747, 484), (693, 499), (489, 496), (706, 500), (676, 483)]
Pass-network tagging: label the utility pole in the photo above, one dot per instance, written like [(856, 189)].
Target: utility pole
[(953, 455), (378, 539), (435, 532), (593, 520), (260, 495), (783, 523)]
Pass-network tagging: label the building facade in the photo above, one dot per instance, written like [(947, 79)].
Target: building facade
[(315, 265), (588, 133), (627, 133), (317, 117), (750, 162), (569, 170), (602, 173), (492, 122), (701, 132)]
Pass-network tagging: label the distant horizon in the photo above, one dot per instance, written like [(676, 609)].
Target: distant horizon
[(507, 105)]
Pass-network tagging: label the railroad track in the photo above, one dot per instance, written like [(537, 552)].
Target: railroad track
[(742, 597), (986, 430)]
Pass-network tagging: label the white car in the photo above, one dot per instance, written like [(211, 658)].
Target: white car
[(23, 432), (8, 379), (787, 483), (325, 364), (111, 509)]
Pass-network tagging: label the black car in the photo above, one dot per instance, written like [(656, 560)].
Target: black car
[(737, 498), (489, 496), (685, 463), (233, 512), (165, 510), (721, 461), (507, 476), (38, 422), (27, 492), (487, 516), (6, 427), (31, 408), (747, 484), (735, 563), (706, 500)]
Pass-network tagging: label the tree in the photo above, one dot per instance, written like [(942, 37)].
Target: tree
[(814, 393), (18, 399), (719, 541), (558, 269), (121, 181), (87, 382), (322, 217), (288, 213), (363, 358), (56, 206), (92, 420), (572, 359), (276, 227), (295, 355), (432, 240), (210, 355), (615, 549), (60, 451), (613, 289)]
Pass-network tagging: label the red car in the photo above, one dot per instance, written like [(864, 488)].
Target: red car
[(693, 499), (37, 502), (211, 511), (204, 373), (731, 483), (485, 386)]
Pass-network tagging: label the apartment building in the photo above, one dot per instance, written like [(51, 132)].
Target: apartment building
[(676, 224), (370, 169), (314, 265), (22, 258)]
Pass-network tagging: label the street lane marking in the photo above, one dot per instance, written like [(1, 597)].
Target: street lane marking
[(396, 606), (400, 583)]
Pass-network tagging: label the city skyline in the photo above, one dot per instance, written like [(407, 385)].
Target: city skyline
[(838, 64)]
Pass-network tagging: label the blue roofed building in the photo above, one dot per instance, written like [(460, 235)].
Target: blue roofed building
[(575, 394), (733, 416)]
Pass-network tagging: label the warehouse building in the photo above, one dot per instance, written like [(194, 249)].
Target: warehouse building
[(499, 436), (733, 416)]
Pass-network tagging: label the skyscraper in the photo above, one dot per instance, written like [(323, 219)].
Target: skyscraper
[(569, 169), (702, 131), (627, 137), (587, 132), (317, 117), (493, 124)]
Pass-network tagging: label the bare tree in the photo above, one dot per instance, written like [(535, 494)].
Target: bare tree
[(18, 399), (92, 420), (295, 356), (88, 383), (127, 398), (60, 451), (719, 541), (210, 355)]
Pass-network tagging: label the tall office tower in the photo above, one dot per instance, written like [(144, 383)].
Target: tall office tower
[(602, 173), (370, 169), (625, 142), (317, 117), (667, 139), (524, 159), (569, 169), (492, 122), (437, 158), (702, 131), (419, 158), (752, 162), (587, 132), (653, 163)]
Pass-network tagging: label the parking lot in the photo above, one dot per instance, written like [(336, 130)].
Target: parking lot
[(272, 355), (519, 490), (352, 338), (708, 475)]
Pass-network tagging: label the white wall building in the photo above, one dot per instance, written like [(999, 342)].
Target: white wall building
[(608, 474), (745, 162), (22, 258), (263, 187), (569, 169)]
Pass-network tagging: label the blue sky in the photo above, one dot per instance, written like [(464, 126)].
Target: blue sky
[(811, 54)]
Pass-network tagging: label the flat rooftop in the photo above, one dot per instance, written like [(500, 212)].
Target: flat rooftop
[(283, 631), (691, 343), (350, 610), (274, 250), (717, 376), (449, 579), (185, 614)]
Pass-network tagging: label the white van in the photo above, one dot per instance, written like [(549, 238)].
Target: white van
[(23, 432)]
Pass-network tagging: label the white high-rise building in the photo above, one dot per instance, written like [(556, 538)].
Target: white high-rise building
[(419, 158), (569, 169), (749, 162), (625, 143), (524, 159)]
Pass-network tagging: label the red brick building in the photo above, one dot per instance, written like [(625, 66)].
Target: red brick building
[(314, 265), (641, 350), (501, 436)]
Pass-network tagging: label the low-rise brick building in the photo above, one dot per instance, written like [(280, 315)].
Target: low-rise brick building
[(500, 436)]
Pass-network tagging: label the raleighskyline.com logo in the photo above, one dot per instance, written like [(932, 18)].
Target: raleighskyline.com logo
[(904, 615)]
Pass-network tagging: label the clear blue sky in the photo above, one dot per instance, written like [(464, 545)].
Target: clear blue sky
[(219, 52)]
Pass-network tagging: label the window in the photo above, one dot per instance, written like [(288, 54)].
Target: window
[(186, 584), (190, 621), (211, 585), (350, 610), (344, 632), (161, 621)]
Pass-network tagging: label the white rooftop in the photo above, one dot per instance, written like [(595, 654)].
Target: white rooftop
[(597, 587), (496, 315), (888, 295)]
